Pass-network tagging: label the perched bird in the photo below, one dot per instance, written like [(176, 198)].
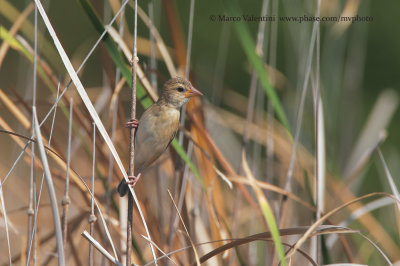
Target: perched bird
[(158, 126)]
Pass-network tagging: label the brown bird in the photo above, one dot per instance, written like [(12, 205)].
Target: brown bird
[(158, 126)]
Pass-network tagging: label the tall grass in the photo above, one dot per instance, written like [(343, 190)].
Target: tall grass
[(314, 182)]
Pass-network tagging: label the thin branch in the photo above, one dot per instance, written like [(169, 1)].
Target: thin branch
[(131, 167), (66, 199), (3, 207), (187, 232), (299, 119), (32, 181), (97, 245), (92, 217), (52, 193), (32, 237)]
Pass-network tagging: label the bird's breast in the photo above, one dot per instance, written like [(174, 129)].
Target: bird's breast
[(157, 128)]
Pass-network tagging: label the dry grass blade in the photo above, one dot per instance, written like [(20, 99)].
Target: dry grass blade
[(14, 110), (205, 135), (159, 249), (14, 29), (270, 187), (330, 213), (378, 120), (140, 73), (97, 245), (372, 225), (160, 43), (187, 232), (392, 184), (82, 182), (206, 155), (350, 10), (58, 159), (356, 214), (27, 124), (344, 230), (299, 117), (267, 236), (377, 248)]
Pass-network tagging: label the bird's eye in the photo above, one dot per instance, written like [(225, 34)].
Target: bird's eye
[(180, 89)]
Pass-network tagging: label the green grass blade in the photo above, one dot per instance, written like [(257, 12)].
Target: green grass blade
[(266, 210), (269, 217), (249, 47)]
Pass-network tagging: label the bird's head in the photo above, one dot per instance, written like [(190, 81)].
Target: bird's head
[(178, 91)]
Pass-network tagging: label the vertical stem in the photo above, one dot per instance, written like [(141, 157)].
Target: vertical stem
[(51, 191), (3, 208), (32, 183), (32, 197), (114, 118), (66, 200), (319, 153), (32, 243), (153, 61), (220, 64), (114, 108), (92, 217), (270, 108), (299, 119), (131, 169), (187, 66)]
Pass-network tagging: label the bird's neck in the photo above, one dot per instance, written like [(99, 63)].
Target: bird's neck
[(169, 104)]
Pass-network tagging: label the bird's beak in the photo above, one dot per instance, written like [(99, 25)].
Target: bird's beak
[(192, 92)]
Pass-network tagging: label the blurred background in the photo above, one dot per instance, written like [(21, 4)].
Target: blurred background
[(264, 85)]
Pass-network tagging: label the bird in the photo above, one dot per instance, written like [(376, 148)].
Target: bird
[(158, 126)]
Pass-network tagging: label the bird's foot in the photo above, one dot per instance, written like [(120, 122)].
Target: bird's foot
[(132, 61), (133, 180), (133, 123), (123, 187)]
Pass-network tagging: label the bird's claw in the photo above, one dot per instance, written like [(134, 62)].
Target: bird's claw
[(132, 61), (133, 123), (133, 180)]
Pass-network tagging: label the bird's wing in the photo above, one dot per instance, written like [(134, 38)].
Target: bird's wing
[(157, 127)]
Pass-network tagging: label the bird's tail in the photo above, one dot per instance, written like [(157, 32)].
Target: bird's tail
[(122, 188)]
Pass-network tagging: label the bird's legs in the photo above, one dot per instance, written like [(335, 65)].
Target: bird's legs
[(133, 179), (133, 123)]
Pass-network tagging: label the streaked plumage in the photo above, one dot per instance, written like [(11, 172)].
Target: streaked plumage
[(158, 125)]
